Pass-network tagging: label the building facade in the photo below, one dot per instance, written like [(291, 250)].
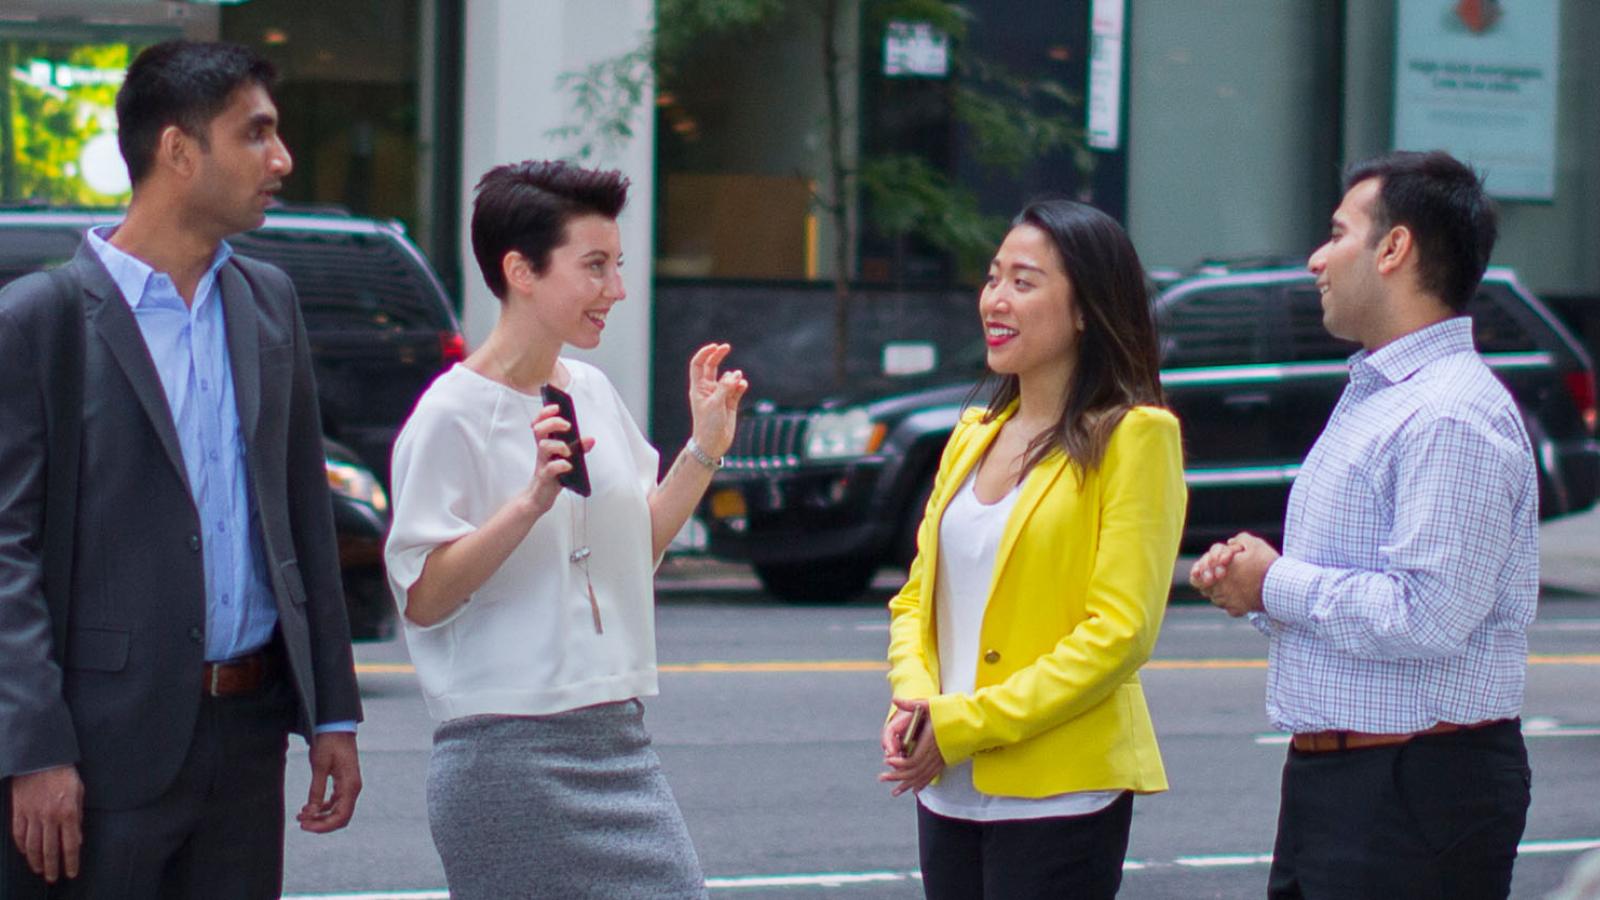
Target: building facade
[(1214, 128)]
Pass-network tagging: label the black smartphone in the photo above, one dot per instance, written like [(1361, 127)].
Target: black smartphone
[(575, 479)]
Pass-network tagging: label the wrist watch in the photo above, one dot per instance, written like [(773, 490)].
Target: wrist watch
[(700, 455)]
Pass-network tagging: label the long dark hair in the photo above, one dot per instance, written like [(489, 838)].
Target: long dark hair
[(1118, 364)]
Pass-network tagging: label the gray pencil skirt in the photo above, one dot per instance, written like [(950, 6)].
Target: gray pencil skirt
[(569, 805)]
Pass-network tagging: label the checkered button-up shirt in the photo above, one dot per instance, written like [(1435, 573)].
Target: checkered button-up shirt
[(1410, 570)]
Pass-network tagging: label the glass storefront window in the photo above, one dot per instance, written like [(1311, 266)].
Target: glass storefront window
[(347, 95), (58, 123)]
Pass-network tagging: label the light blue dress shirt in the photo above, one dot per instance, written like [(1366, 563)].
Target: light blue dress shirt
[(1410, 568), (189, 346)]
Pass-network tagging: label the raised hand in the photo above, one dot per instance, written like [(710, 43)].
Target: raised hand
[(714, 399)]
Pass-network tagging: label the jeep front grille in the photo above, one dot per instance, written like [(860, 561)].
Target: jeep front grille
[(767, 441)]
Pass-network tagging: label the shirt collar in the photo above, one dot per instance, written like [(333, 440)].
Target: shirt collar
[(132, 275), (1403, 357)]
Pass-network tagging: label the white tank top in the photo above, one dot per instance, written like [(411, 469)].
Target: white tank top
[(969, 539)]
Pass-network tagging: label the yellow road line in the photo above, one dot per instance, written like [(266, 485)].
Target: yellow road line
[(385, 668), (836, 665), (871, 665), (1200, 664)]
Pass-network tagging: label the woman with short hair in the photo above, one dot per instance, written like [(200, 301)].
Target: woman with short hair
[(529, 608)]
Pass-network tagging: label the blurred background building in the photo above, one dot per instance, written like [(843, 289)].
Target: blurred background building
[(787, 153)]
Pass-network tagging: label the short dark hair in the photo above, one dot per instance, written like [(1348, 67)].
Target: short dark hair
[(182, 83), (526, 206), (1119, 364), (1442, 201)]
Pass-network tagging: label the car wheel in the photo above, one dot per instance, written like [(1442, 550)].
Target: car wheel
[(821, 581)]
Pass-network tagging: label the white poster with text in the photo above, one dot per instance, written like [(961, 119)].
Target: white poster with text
[(1478, 78)]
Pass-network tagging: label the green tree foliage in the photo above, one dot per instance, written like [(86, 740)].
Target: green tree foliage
[(909, 196), (1013, 120), (1010, 121), (608, 94), (46, 125)]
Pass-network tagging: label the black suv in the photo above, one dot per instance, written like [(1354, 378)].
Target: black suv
[(818, 499), (380, 326)]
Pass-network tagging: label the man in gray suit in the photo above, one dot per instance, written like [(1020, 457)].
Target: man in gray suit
[(170, 606)]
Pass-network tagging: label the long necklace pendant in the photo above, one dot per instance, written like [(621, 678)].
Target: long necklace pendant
[(594, 606), (579, 555)]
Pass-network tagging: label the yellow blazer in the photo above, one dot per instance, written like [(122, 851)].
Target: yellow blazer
[(1078, 593)]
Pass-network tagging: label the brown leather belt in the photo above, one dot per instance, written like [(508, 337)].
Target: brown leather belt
[(238, 676), (1334, 741)]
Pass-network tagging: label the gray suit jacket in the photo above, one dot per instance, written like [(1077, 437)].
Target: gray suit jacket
[(121, 697)]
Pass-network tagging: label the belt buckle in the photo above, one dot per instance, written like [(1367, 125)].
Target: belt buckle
[(216, 673)]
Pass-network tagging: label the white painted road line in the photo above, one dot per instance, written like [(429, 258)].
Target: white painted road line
[(1238, 860), (1557, 846), (851, 879), (1224, 861), (373, 895), (820, 879)]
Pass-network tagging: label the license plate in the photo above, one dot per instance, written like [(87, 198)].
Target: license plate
[(728, 503)]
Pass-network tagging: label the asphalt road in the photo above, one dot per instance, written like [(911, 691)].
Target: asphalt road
[(767, 726)]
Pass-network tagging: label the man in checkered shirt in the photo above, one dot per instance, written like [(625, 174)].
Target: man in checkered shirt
[(1398, 611)]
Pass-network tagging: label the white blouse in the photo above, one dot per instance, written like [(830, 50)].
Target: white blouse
[(525, 643), (969, 539)]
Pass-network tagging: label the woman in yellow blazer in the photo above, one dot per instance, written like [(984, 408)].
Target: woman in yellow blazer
[(1045, 558)]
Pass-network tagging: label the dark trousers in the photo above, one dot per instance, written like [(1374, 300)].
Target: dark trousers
[(217, 832), (1436, 818), (1064, 857)]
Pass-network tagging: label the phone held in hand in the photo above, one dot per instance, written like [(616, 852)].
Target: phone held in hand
[(577, 478), (908, 744)]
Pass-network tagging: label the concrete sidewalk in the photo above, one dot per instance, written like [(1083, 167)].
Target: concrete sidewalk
[(1569, 561), (1569, 553)]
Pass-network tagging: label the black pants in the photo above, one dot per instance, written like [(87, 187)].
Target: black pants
[(217, 832), (1057, 858), (1436, 818)]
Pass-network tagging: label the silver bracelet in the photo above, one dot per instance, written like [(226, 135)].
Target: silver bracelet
[(699, 454)]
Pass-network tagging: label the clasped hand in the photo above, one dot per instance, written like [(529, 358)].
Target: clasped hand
[(917, 771), (1231, 575)]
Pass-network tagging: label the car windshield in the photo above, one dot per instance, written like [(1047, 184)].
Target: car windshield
[(350, 281)]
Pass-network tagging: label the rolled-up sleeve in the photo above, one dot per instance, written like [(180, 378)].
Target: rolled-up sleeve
[(434, 467)]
